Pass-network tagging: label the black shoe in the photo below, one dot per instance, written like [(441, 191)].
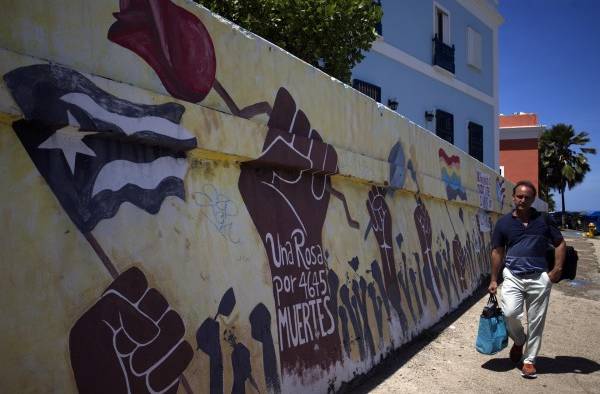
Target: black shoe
[(516, 353)]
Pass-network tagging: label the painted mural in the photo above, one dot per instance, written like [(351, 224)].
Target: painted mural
[(127, 153), (287, 191), (130, 341), (178, 236), (450, 170), (485, 190), (500, 191)]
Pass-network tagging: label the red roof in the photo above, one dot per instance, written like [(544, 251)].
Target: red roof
[(518, 120)]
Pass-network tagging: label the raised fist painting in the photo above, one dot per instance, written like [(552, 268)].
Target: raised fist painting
[(381, 220), (130, 341), (286, 191)]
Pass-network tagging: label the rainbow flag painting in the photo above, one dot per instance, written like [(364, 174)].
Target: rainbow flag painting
[(450, 168)]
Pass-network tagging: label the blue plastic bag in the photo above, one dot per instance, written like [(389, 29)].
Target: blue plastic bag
[(492, 335)]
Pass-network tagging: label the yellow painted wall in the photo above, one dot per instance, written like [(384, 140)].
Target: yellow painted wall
[(394, 247)]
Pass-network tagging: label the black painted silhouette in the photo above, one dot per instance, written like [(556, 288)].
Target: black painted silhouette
[(403, 279), (242, 369), (377, 308), (423, 226), (345, 333), (413, 280), (360, 294), (260, 322), (376, 272), (353, 315), (208, 338)]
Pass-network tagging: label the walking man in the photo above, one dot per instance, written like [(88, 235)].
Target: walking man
[(521, 239)]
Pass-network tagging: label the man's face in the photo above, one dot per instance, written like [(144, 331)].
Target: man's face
[(523, 198)]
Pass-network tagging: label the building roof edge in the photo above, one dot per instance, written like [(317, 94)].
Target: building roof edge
[(483, 11)]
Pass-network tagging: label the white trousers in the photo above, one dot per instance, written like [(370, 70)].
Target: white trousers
[(533, 292)]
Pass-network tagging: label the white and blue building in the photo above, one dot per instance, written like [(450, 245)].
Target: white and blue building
[(436, 62)]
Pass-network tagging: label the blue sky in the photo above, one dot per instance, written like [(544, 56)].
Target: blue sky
[(550, 65)]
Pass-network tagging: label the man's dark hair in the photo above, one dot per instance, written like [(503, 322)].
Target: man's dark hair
[(525, 183)]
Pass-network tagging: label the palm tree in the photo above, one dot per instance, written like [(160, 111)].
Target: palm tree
[(563, 161)]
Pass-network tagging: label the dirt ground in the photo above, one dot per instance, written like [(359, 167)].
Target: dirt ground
[(444, 359)]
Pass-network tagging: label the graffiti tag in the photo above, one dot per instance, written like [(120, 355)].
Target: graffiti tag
[(219, 210)]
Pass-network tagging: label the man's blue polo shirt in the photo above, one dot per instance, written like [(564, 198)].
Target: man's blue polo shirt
[(525, 246)]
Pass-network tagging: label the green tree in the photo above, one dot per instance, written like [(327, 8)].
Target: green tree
[(548, 198), (329, 34), (563, 160)]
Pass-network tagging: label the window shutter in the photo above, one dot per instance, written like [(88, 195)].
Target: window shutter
[(442, 28), (369, 89), (446, 29), (474, 50), (439, 24), (476, 141), (444, 125)]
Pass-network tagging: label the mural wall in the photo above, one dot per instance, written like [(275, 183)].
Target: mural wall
[(187, 208)]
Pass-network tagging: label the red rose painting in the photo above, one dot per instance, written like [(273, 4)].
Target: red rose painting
[(172, 41)]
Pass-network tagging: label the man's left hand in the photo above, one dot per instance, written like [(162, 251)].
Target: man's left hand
[(554, 275)]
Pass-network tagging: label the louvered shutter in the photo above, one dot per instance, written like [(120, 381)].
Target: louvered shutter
[(444, 125)]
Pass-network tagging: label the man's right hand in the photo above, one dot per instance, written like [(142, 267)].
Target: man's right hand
[(493, 287), (497, 257)]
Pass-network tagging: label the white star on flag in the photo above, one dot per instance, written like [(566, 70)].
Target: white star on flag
[(68, 142)]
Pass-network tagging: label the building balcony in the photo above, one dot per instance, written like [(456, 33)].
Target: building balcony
[(443, 54)]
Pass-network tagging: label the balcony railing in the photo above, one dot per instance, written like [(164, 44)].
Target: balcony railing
[(443, 54)]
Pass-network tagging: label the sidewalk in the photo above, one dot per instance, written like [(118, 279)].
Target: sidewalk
[(444, 359)]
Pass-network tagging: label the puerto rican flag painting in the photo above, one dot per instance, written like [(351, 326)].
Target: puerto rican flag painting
[(95, 150)]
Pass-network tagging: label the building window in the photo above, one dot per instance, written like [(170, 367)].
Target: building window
[(474, 48), (443, 50), (444, 125), (378, 26), (369, 89), (476, 141), (442, 24)]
